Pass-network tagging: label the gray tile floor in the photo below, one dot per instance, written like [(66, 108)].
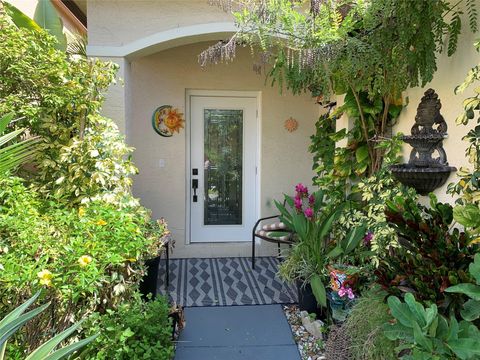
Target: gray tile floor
[(257, 332)]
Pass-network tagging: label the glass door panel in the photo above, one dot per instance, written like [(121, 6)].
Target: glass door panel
[(223, 152)]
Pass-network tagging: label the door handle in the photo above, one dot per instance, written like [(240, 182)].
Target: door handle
[(195, 187)]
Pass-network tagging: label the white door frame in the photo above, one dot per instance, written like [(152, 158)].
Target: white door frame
[(188, 176)]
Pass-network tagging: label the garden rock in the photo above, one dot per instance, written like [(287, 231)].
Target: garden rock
[(313, 327)]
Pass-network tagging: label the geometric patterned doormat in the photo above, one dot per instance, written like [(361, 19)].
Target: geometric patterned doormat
[(226, 281)]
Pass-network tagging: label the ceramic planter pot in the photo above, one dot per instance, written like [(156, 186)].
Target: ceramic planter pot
[(340, 307), (339, 277), (307, 301)]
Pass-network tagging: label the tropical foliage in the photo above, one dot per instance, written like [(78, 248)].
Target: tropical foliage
[(430, 258), (135, 330), (471, 308), (84, 156), (14, 154), (17, 318), (88, 259), (308, 215), (371, 51), (467, 212), (70, 226), (429, 335)]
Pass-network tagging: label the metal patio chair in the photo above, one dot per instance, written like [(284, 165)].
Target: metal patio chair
[(266, 231)]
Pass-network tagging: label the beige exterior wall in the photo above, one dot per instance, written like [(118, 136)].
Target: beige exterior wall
[(163, 78), (119, 22)]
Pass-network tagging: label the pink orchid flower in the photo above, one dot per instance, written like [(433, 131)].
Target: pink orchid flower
[(298, 203), (308, 213)]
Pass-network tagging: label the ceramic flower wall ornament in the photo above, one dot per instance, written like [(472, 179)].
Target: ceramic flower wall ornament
[(291, 124), (167, 120)]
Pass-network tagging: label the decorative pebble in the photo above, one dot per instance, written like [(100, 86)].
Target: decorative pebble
[(310, 348)]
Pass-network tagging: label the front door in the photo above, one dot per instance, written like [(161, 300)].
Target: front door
[(223, 156)]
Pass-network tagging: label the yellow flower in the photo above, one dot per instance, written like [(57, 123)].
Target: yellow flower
[(101, 222), (81, 211), (45, 277), (84, 260)]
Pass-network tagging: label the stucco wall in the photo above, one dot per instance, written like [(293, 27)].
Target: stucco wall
[(163, 79), (118, 22)]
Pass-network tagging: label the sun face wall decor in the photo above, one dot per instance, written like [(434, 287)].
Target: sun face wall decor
[(166, 120)]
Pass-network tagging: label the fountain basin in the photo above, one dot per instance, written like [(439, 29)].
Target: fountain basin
[(423, 179)]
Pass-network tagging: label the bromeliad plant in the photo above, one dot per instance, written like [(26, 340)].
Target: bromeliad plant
[(310, 217)]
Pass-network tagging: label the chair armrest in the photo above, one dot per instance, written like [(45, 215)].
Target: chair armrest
[(261, 219)]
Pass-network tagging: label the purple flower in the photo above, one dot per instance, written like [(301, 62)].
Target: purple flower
[(301, 189), (308, 213), (298, 203), (367, 239), (311, 199)]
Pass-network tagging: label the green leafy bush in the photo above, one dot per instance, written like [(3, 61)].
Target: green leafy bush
[(83, 155), (74, 228), (374, 192), (429, 335), (136, 330), (431, 257), (471, 308), (89, 259)]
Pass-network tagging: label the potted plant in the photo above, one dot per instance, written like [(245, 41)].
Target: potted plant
[(311, 217)]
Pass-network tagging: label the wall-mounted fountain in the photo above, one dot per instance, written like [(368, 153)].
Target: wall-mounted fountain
[(427, 168)]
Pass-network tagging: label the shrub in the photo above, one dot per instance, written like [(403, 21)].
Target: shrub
[(88, 259), (364, 327), (430, 258), (74, 229), (83, 155), (136, 330)]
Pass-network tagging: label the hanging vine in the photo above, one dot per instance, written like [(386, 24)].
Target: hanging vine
[(371, 51)]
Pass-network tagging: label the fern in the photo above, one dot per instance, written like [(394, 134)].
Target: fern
[(472, 15), (454, 31)]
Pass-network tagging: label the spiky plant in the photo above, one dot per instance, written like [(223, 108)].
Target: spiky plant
[(16, 153)]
